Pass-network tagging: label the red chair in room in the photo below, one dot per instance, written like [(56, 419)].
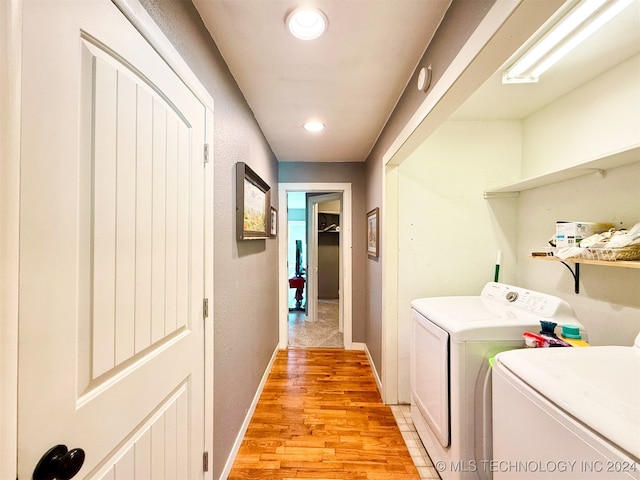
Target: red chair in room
[(298, 284)]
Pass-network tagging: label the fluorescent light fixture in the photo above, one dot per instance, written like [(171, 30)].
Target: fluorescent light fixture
[(313, 126), (306, 23), (586, 17)]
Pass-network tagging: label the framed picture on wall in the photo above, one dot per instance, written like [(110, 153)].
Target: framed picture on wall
[(253, 203), (274, 223), (372, 233)]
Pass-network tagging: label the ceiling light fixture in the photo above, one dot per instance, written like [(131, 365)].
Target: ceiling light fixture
[(586, 17), (306, 23), (313, 126)]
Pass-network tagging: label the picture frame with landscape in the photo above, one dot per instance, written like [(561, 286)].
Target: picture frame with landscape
[(253, 204)]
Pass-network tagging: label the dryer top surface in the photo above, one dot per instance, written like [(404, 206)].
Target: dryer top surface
[(500, 311)]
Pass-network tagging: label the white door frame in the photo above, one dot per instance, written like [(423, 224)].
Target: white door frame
[(389, 237), (346, 296), (10, 94)]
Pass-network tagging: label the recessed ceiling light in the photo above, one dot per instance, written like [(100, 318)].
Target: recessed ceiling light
[(313, 126), (306, 23)]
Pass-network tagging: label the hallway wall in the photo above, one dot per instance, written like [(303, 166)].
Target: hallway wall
[(245, 315), (459, 23)]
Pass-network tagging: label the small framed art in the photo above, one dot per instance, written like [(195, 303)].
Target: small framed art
[(273, 223), (373, 232)]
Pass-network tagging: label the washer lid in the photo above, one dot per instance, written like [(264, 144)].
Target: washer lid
[(600, 386)]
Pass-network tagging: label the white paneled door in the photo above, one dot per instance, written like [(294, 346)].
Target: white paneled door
[(112, 242)]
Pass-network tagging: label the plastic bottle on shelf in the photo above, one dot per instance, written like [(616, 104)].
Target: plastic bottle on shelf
[(571, 334)]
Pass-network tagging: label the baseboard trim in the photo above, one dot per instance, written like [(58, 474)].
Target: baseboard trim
[(245, 425), (373, 369)]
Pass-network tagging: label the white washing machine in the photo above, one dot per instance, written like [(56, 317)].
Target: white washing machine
[(567, 413), (452, 340)]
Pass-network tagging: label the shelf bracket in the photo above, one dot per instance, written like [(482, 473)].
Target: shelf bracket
[(576, 275)]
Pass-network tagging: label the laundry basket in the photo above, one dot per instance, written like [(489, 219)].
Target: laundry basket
[(609, 254)]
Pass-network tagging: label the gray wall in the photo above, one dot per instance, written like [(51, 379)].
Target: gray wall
[(245, 273), (373, 267), (341, 173), (328, 265), (458, 24)]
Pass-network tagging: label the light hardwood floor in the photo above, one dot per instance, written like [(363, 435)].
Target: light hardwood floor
[(320, 416)]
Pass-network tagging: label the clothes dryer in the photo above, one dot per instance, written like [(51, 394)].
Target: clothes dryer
[(452, 340)]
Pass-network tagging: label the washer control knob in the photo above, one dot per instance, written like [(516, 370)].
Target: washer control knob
[(512, 296)]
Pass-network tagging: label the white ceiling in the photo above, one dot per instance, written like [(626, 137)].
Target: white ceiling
[(352, 77)]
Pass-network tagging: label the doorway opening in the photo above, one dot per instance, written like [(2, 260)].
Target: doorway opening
[(314, 269), (315, 265)]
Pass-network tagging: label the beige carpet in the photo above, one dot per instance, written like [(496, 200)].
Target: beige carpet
[(320, 333)]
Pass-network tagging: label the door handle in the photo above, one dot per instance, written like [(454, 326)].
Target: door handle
[(59, 463)]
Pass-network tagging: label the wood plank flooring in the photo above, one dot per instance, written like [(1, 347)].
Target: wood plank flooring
[(320, 416)]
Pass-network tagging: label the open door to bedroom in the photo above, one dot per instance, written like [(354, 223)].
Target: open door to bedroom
[(314, 260)]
